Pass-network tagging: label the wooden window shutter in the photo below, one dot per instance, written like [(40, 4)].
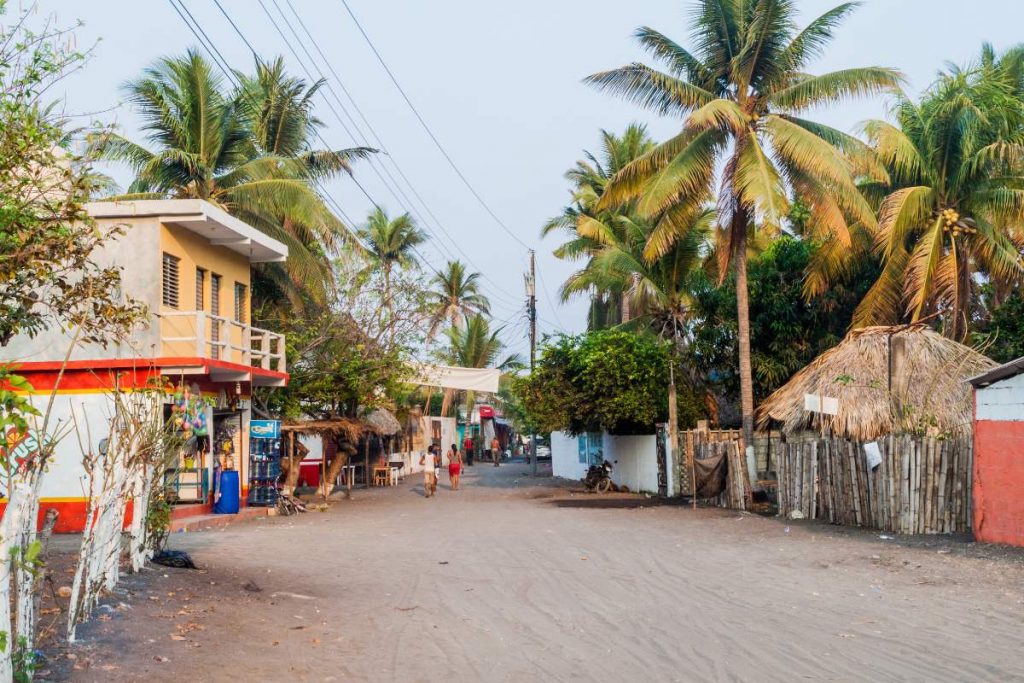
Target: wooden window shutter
[(170, 280)]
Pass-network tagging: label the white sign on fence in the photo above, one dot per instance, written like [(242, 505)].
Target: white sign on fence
[(873, 454), (816, 403)]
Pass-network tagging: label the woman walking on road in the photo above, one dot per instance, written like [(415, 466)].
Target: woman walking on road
[(454, 466), (431, 461)]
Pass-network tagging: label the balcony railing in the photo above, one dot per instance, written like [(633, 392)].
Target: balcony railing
[(202, 334)]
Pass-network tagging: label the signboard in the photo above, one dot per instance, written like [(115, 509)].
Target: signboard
[(816, 403), (872, 454), (486, 411), (264, 429)]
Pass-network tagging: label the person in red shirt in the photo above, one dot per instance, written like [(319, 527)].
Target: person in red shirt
[(467, 448)]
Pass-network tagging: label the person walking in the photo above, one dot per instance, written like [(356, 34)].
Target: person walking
[(496, 451), (454, 466), (467, 447), (431, 462)]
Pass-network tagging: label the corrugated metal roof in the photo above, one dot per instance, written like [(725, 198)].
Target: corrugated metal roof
[(1014, 367)]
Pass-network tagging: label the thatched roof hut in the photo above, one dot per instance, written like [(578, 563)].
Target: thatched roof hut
[(383, 422), (332, 428), (887, 380)]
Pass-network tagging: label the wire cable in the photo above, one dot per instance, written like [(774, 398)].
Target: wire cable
[(430, 133)]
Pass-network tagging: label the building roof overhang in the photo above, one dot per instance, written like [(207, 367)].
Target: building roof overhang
[(202, 218), (1014, 367)]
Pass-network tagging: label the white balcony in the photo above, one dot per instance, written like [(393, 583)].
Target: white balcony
[(198, 334)]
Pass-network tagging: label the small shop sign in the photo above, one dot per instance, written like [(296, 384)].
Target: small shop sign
[(264, 429)]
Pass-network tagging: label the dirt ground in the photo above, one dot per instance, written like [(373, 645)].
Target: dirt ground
[(517, 579)]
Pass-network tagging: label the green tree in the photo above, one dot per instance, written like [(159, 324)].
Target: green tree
[(247, 151), (741, 92), (589, 227), (953, 215), (455, 296), (390, 243), (1003, 336), (610, 380), (787, 330)]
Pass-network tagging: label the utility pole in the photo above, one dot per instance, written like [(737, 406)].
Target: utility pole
[(531, 307)]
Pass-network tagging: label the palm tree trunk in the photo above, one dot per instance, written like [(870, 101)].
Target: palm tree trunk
[(388, 304), (739, 228)]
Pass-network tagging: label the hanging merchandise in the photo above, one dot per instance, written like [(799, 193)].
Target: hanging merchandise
[(189, 414), (264, 461)]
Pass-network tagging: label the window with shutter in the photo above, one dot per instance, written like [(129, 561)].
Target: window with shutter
[(215, 310), (170, 280), (240, 302), (200, 289)]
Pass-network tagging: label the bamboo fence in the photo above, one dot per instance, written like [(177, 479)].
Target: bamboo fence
[(921, 486), (737, 488)]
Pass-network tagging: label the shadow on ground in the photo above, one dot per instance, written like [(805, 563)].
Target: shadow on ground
[(613, 502)]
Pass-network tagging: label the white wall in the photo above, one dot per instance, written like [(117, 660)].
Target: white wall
[(137, 252), (1002, 400), (565, 457), (635, 461)]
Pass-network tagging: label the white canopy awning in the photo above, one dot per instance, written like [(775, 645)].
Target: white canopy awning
[(466, 379)]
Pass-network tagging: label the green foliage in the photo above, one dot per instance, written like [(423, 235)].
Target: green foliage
[(158, 521), (337, 369), (1003, 337), (787, 331), (953, 208), (47, 240), (249, 150), (609, 380)]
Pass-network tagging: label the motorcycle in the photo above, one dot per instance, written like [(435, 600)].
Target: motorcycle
[(599, 478)]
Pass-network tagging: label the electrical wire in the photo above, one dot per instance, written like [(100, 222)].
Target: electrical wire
[(429, 132), (215, 54), (393, 185)]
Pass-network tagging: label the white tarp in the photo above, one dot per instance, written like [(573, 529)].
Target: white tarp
[(466, 379)]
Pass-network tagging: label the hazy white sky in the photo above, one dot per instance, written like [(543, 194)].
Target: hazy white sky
[(499, 84)]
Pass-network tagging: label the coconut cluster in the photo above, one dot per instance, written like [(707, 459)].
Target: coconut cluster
[(954, 225)]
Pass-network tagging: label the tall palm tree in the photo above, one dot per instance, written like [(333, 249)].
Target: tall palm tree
[(584, 221), (390, 243), (740, 94), (476, 346), (248, 152), (954, 212), (456, 296)]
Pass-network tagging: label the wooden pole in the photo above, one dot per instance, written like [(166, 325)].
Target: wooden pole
[(323, 467)]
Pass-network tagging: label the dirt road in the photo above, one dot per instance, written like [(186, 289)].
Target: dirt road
[(510, 580)]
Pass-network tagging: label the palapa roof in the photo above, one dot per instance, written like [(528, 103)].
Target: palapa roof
[(331, 428), (383, 422), (929, 385)]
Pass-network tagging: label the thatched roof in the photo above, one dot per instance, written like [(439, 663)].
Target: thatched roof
[(929, 387), (383, 422), (332, 428)]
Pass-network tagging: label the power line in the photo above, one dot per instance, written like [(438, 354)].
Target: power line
[(393, 185), (430, 133), (387, 153), (222, 63)]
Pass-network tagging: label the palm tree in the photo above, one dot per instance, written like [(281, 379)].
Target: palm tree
[(456, 296), (248, 152), (956, 203), (476, 346), (390, 243), (740, 93), (583, 220)]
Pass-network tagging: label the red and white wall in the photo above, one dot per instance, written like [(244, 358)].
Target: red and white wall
[(999, 461)]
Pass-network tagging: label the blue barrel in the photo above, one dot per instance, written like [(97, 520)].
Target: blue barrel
[(229, 493)]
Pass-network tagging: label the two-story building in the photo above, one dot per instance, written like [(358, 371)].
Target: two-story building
[(190, 263)]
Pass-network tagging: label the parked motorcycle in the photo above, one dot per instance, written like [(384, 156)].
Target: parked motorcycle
[(599, 478)]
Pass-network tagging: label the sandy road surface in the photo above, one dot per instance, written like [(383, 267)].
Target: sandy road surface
[(513, 581)]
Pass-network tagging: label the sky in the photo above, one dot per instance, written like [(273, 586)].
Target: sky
[(499, 85)]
